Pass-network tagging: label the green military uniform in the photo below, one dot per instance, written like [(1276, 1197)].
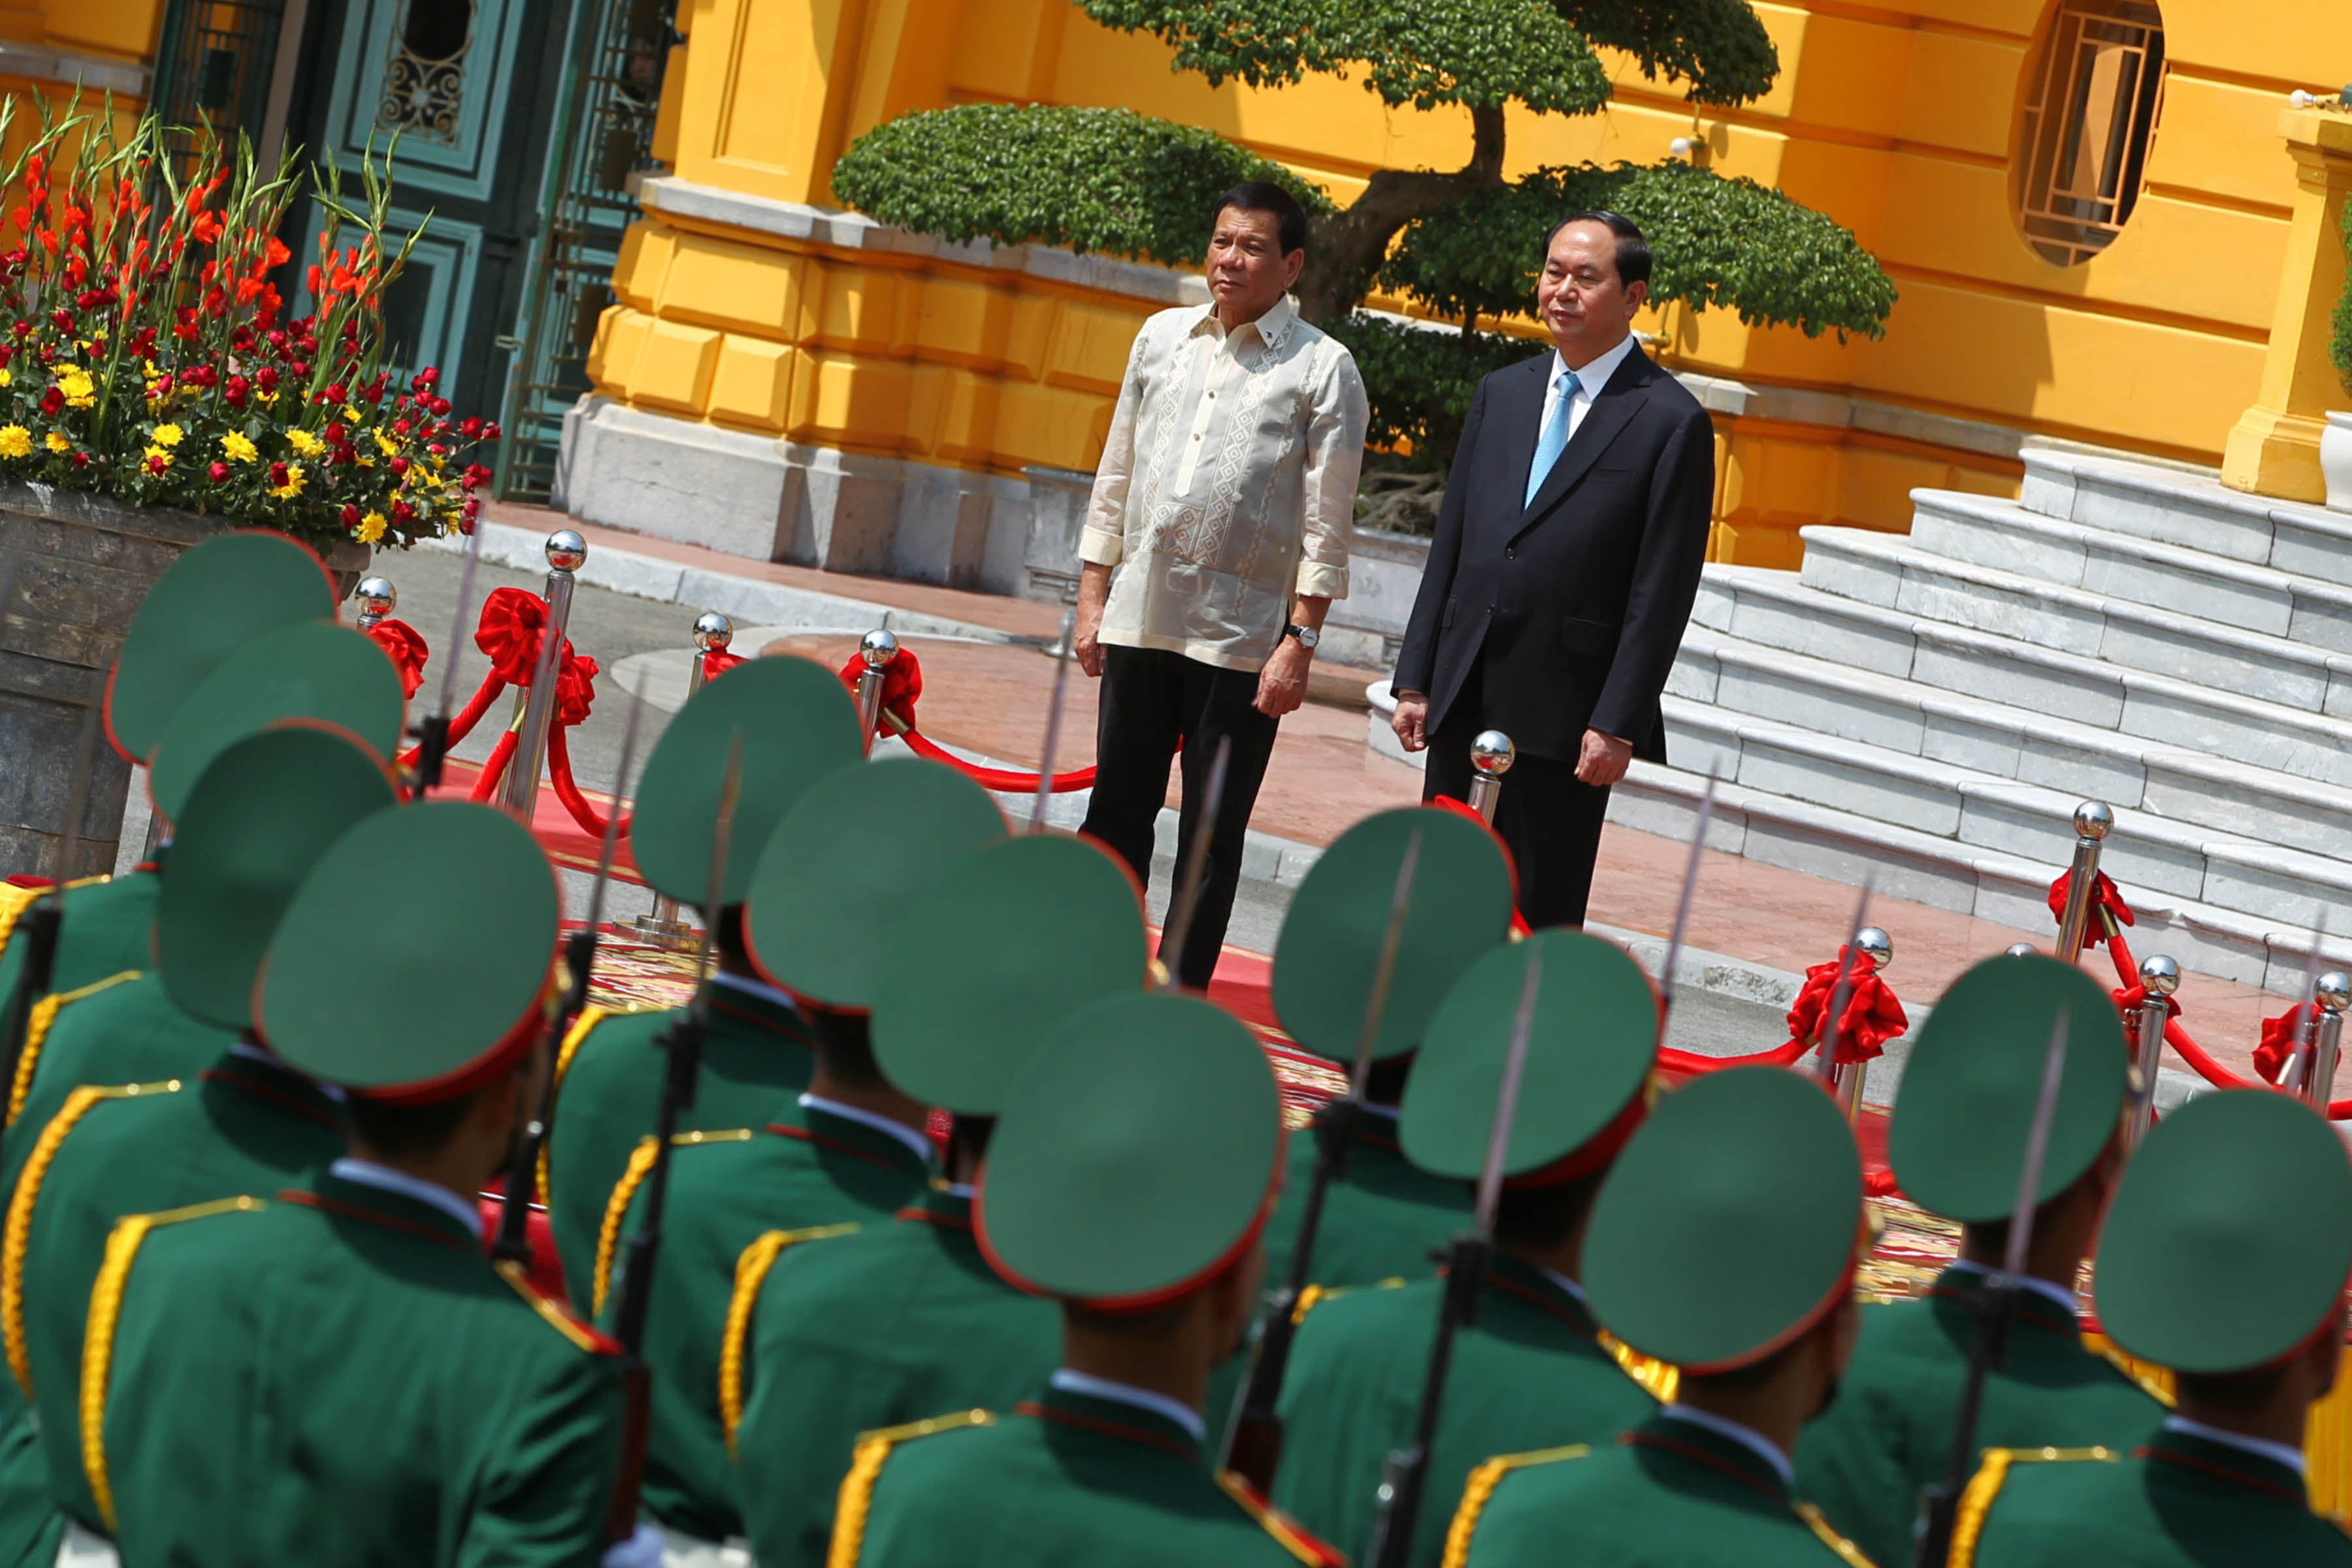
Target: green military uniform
[(1956, 1141), (795, 724), (1132, 1163), (835, 878), (105, 933), (2225, 1250), (903, 1321), (1728, 1228), (263, 814), (1530, 1373), (335, 1372)]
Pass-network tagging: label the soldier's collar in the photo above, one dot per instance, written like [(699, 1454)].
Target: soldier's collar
[(1713, 1442), (396, 1198), (871, 1132), (2257, 1450), (771, 999), (2048, 1290), (1122, 1410), (1556, 1293), (947, 1204)]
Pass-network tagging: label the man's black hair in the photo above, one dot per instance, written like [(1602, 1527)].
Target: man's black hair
[(1538, 1217), (1265, 196), (846, 1046), (1633, 251), (398, 1131)]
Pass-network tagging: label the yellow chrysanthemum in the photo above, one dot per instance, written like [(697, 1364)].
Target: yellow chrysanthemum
[(169, 435), (293, 484), (371, 527), (6, 379), (385, 444), (55, 442), (16, 441), (305, 443), (79, 390), (238, 448), (351, 414)]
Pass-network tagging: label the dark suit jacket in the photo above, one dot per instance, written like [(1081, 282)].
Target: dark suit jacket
[(1579, 600)]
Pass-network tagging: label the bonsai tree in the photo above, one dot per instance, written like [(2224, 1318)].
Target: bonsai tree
[(1464, 243)]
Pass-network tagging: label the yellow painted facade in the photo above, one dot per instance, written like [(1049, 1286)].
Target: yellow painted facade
[(1899, 118)]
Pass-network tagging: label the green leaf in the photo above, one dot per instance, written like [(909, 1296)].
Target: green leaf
[(1718, 46), (1420, 379)]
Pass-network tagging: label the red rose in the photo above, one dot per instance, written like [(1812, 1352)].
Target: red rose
[(491, 432), (350, 516), (217, 473), (470, 428), (266, 378), (82, 459), (402, 512), (335, 433), (277, 475), (64, 320), (334, 391), (52, 402), (400, 426), (440, 408), (398, 465)]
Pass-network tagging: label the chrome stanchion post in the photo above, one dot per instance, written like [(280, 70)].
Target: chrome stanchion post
[(535, 706), (376, 598), (1491, 754), (662, 928), (2330, 994), (877, 648), (1874, 950), (711, 630), (2159, 977), (2020, 949), (2092, 821)]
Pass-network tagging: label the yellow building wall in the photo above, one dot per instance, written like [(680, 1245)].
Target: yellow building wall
[(1898, 118)]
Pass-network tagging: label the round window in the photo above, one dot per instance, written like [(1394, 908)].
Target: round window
[(2090, 111)]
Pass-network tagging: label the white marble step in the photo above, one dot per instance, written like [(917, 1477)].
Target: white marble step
[(1775, 610), (2007, 817), (2003, 741), (1891, 572), (1996, 885), (2195, 511)]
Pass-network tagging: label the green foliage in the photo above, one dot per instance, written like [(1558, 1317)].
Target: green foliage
[(1420, 380), (1475, 52), (1718, 46), (1091, 179), (1718, 243), (2339, 346)]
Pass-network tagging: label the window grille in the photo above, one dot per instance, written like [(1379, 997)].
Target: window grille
[(2087, 126), (213, 66)]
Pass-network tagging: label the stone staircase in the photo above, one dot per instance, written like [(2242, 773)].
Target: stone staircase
[(1934, 706)]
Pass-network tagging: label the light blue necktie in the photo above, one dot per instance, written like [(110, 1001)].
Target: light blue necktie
[(1554, 439)]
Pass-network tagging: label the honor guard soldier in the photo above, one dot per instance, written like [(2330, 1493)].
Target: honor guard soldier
[(1531, 1371), (2224, 1258), (236, 1120), (1956, 1143), (903, 1321), (821, 910), (215, 598), (315, 672), (1130, 1176), (795, 724), (1724, 1243), (335, 1372)]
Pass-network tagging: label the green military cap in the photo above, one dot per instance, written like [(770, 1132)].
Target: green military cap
[(797, 724), (252, 828), (316, 670), (212, 601), (1007, 944), (1329, 950), (2229, 1238), (1593, 1043), (846, 862), (1135, 1156), (1956, 1138), (414, 963), (1730, 1224)]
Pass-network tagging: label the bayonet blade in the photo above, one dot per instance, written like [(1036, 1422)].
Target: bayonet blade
[(1507, 1098), (1054, 718), (1173, 936), (1683, 907), (1376, 1003), (1834, 1026)]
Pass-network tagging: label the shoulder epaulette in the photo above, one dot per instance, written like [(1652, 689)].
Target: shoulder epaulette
[(1315, 1296), (617, 1207), (582, 1027), (18, 1234), (36, 1031), (580, 1334), (751, 1274), (866, 1462), (1968, 1520), (1480, 1487), (15, 901), (1847, 1552), (1286, 1529), (98, 1336), (2154, 1381), (1658, 1379)]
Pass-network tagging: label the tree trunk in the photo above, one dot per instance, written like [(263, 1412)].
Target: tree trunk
[(1345, 248)]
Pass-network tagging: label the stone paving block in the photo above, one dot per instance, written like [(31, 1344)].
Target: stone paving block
[(2044, 620), (1878, 794), (2085, 695), (2269, 675), (1786, 699), (2210, 595)]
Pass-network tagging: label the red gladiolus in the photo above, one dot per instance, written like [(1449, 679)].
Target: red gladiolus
[(275, 253), (218, 472)]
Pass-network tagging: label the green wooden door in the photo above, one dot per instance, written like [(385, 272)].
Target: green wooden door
[(469, 86)]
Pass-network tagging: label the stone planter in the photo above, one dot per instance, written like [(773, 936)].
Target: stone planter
[(2335, 460), (73, 568)]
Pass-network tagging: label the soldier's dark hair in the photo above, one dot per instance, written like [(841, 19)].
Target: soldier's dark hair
[(967, 1143), (846, 1046), (399, 1131), (1265, 196), (1544, 1216), (2232, 1390), (1632, 249)]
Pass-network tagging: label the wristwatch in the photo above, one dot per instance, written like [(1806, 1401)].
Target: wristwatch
[(1308, 635)]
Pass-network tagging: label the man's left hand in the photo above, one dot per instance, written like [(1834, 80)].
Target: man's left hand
[(1601, 763), (1282, 684)]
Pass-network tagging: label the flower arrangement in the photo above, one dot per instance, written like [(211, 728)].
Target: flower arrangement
[(145, 352)]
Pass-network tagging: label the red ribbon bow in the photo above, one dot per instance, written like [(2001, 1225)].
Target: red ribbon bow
[(513, 622), (717, 661), (2280, 1037), (1873, 1016), (902, 683), (2130, 1000), (2103, 896), (405, 649)]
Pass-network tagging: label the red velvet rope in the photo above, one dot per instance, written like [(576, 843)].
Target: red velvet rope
[(462, 724), (995, 778), (1872, 1017), (1690, 1062), (558, 771), (500, 754)]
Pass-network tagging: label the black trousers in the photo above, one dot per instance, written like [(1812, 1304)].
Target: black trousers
[(1151, 698), (1548, 819)]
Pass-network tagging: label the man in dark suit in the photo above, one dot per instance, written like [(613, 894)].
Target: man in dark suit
[(1567, 556)]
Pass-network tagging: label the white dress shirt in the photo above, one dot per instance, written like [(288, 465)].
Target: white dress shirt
[(1588, 383), (1227, 485)]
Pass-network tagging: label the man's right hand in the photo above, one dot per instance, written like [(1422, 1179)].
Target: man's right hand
[(1410, 720), (1086, 632)]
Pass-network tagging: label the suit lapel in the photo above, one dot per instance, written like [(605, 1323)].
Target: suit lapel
[(1520, 424), (1608, 415)]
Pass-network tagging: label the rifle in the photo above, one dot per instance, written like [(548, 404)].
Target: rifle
[(41, 928), (513, 1244), (1253, 1431), (1683, 908), (683, 1041), (1399, 1500), (1931, 1535), (1061, 651), (433, 731), (1179, 929)]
